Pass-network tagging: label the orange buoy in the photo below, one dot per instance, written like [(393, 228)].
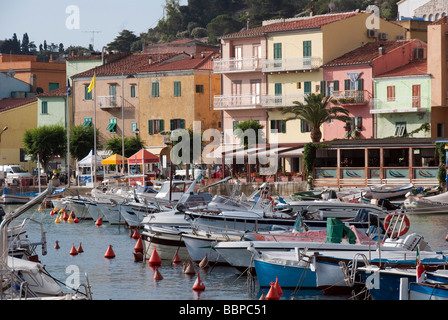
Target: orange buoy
[(139, 245), (157, 275), (155, 259), (109, 253), (99, 222), (80, 249), (69, 219), (136, 235), (189, 268), (40, 208), (76, 220), (138, 256), (272, 293), (56, 246), (198, 284), (176, 258), (277, 287), (51, 213), (204, 263), (57, 220), (73, 252)]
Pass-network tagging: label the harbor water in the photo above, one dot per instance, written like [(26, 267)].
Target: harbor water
[(121, 278)]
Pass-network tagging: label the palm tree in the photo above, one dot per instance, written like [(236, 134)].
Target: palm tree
[(315, 112)]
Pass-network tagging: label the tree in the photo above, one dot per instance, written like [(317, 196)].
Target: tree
[(49, 141), (123, 41), (221, 25), (81, 141), (315, 113), (249, 132), (131, 145)]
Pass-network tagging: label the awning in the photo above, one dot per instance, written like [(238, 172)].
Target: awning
[(156, 150), (88, 160), (143, 156), (114, 160), (87, 122)]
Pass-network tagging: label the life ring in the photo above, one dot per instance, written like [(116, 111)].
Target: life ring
[(404, 229)]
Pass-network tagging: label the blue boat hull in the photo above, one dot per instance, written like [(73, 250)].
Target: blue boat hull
[(288, 277), (419, 291)]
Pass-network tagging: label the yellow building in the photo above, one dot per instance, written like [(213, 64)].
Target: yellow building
[(18, 115), (173, 95)]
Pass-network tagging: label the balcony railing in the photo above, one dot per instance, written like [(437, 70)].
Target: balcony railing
[(282, 101), (402, 104), (109, 102), (236, 64), (255, 101), (293, 64), (350, 97), (236, 102)]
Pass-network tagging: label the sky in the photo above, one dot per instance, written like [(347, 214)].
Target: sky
[(78, 22)]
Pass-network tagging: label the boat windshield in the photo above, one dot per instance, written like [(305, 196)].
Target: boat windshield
[(220, 200)]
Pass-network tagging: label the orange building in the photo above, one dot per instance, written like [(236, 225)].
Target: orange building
[(42, 76)]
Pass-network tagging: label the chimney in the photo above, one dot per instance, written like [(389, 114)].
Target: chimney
[(248, 24), (150, 59), (381, 50)]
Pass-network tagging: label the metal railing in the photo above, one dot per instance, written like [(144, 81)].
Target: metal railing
[(350, 97), (293, 64), (236, 64), (108, 102)]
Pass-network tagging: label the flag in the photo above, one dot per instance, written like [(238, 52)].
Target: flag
[(92, 83), (68, 89), (420, 269)]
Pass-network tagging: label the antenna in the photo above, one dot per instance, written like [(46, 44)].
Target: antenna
[(93, 37)]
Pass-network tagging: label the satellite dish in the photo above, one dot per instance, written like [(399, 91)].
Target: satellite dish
[(331, 6)]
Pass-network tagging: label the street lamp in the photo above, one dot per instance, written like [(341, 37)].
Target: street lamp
[(1, 132)]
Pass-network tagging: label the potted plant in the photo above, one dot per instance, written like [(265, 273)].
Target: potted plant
[(285, 177), (243, 177), (258, 178), (298, 176)]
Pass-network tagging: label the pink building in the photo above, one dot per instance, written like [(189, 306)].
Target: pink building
[(348, 80)]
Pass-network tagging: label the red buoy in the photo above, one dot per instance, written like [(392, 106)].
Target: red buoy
[(57, 245), (272, 293), (138, 256), (277, 287), (80, 249), (109, 253), (139, 245), (65, 216), (155, 259), (198, 284), (99, 222), (136, 235), (52, 213), (176, 258), (189, 268), (157, 275), (73, 252), (76, 220)]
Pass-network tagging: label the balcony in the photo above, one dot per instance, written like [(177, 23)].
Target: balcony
[(293, 64), (112, 102), (350, 97), (399, 105), (236, 65), (236, 102), (282, 101)]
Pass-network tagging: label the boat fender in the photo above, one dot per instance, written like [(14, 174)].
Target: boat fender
[(404, 229)]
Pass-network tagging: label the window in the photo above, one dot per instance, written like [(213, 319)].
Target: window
[(279, 125), (390, 93), (177, 124), (87, 122), (87, 94), (440, 130), (112, 127), (132, 90), (44, 107), (199, 88), (278, 93), (238, 51), (177, 90), (277, 54), (416, 99), (113, 94), (400, 129), (305, 126), (155, 126), (155, 89), (307, 53), (307, 87), (255, 91), (53, 86)]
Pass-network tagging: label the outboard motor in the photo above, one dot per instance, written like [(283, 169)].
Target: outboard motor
[(332, 195), (385, 203)]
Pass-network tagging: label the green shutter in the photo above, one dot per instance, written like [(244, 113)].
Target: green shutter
[(155, 89), (272, 125), (306, 48), (161, 128), (172, 124), (132, 91), (360, 84), (182, 123), (177, 89), (277, 50), (307, 87), (336, 85), (347, 84), (322, 88), (150, 129), (278, 89), (283, 122)]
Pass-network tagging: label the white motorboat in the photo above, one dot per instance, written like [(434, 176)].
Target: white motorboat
[(391, 192), (427, 205)]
